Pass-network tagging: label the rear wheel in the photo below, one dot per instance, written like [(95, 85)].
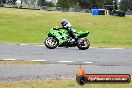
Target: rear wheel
[(83, 43), (51, 42), (81, 80)]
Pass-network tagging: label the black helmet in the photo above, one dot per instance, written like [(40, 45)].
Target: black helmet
[(64, 22)]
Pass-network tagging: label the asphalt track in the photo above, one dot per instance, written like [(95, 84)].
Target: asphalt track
[(63, 62)]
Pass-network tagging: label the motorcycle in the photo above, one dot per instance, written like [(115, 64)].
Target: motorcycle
[(61, 38)]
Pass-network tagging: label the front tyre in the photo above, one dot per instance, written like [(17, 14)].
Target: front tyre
[(83, 43), (51, 42)]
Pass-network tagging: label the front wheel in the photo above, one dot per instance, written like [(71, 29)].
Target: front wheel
[(51, 42), (83, 43)]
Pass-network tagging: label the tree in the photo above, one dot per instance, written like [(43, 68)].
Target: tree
[(50, 4), (87, 4), (13, 2), (64, 4), (84, 4), (45, 3), (1, 3), (125, 5), (41, 2)]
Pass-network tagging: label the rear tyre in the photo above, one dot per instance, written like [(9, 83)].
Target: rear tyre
[(81, 80), (83, 43), (51, 42)]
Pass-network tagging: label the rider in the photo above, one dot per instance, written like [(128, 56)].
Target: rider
[(66, 25)]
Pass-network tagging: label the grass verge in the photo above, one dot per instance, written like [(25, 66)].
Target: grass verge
[(59, 84), (27, 26), (22, 62)]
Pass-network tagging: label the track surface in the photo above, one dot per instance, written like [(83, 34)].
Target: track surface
[(103, 61)]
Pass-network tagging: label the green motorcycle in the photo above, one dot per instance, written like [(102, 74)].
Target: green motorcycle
[(60, 38)]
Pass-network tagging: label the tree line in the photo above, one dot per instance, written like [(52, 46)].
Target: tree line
[(78, 4)]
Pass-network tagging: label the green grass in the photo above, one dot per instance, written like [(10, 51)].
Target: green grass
[(27, 26), (59, 84)]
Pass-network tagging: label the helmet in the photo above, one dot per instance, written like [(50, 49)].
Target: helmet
[(64, 22)]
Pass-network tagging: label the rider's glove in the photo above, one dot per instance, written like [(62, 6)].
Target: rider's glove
[(55, 28)]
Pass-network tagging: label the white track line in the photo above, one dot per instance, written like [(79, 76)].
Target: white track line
[(24, 44), (22, 60), (38, 60), (8, 59), (43, 45), (106, 48), (39, 45), (65, 61), (87, 62), (115, 48)]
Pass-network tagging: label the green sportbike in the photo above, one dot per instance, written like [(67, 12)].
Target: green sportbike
[(61, 38)]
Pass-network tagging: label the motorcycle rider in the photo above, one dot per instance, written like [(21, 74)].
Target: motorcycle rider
[(67, 26)]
